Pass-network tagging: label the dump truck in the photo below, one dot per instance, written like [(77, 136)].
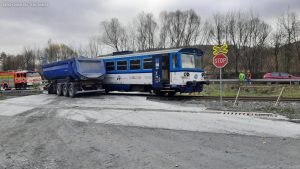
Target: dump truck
[(74, 76)]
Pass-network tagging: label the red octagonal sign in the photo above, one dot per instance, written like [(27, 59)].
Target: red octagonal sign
[(220, 60)]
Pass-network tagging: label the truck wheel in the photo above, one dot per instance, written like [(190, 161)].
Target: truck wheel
[(50, 89), (59, 90), (72, 90), (65, 90)]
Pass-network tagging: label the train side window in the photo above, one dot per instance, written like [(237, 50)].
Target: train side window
[(18, 75), (175, 61), (110, 66), (135, 64), (147, 63), (122, 65)]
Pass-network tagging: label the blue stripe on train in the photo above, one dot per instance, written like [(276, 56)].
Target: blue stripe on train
[(178, 88)]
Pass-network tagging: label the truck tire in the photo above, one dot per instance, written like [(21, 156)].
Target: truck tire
[(65, 90), (59, 90), (72, 90), (50, 89)]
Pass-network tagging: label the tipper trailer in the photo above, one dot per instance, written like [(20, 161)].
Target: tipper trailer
[(74, 76)]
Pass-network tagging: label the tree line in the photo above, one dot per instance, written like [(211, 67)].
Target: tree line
[(253, 43)]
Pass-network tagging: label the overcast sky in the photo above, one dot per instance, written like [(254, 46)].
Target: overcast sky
[(74, 22)]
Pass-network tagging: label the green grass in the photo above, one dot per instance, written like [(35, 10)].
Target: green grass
[(230, 90)]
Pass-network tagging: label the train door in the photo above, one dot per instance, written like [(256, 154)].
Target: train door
[(160, 70)]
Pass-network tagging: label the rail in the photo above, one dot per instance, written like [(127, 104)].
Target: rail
[(269, 81)]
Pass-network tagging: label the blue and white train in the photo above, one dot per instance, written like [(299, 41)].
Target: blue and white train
[(162, 72)]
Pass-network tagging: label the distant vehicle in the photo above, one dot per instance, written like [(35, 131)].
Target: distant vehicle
[(73, 76), (19, 79), (164, 72), (279, 75)]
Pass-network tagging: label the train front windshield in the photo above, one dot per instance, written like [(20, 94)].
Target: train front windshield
[(190, 61)]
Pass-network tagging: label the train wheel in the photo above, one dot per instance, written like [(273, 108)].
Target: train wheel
[(72, 90), (159, 93), (59, 90), (66, 90), (171, 94)]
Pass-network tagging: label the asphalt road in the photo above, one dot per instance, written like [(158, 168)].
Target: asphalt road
[(45, 131)]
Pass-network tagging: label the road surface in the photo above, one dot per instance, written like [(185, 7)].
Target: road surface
[(109, 131)]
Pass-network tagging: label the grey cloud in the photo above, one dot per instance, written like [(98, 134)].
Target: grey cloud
[(74, 22)]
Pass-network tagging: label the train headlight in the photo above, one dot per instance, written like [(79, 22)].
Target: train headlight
[(186, 74), (196, 76)]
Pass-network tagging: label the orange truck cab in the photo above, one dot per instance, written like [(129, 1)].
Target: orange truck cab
[(19, 79)]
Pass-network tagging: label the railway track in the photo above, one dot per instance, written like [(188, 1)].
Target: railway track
[(154, 97), (224, 98), (186, 97)]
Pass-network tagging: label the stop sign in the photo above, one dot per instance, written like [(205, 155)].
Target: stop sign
[(220, 60)]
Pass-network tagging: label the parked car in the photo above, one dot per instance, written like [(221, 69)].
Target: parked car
[(279, 75)]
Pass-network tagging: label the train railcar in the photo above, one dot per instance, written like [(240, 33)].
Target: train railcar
[(19, 79), (162, 72)]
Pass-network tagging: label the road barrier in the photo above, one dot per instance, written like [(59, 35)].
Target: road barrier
[(19, 92)]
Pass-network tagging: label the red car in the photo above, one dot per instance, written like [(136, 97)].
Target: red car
[(279, 75)]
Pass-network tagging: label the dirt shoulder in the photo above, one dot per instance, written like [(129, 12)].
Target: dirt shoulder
[(44, 141)]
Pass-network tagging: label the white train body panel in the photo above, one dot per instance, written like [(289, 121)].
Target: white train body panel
[(130, 78), (179, 78), (176, 78)]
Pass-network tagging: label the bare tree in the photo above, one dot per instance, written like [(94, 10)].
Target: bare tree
[(93, 47), (218, 28), (113, 31), (146, 27), (164, 27), (132, 38), (179, 28), (288, 23), (276, 42), (29, 59), (192, 28), (55, 52)]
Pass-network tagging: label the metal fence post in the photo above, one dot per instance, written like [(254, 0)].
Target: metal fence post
[(237, 96), (278, 99)]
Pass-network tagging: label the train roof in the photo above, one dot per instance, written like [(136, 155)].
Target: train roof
[(196, 51)]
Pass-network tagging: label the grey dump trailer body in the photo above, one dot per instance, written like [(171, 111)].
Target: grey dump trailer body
[(74, 76)]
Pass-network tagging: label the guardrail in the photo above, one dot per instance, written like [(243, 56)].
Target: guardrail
[(268, 81), (19, 92)]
